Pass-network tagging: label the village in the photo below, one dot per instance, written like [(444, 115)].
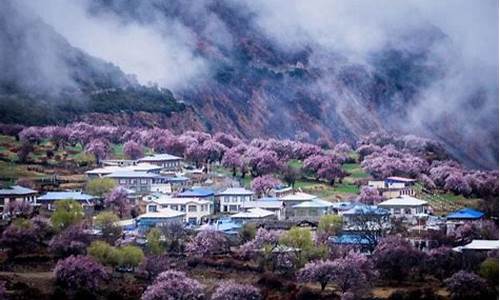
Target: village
[(281, 207)]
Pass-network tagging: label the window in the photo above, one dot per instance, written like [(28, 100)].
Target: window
[(133, 181), (397, 211), (144, 181), (183, 207), (192, 208), (152, 208), (233, 208), (174, 207), (407, 211), (122, 181)]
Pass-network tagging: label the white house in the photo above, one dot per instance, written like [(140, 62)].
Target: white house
[(406, 207), (195, 209), (231, 199), (168, 162), (479, 245), (106, 170), (314, 208), (254, 214), (16, 193), (270, 204), (158, 218), (394, 186), (293, 199)]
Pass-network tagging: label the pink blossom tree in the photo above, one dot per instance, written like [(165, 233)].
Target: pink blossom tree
[(98, 148), (465, 285), (71, 241), (230, 290), (214, 150), (207, 242), (262, 162), (226, 139), (133, 150), (369, 195), (174, 285), (80, 273), (350, 274), (457, 184), (395, 258), (263, 238), (232, 159), (118, 201), (262, 185)]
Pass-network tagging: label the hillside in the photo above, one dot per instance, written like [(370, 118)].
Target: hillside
[(256, 86), (47, 81)]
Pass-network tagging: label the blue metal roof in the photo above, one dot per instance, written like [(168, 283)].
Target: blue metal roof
[(465, 213), (360, 209), (197, 192), (349, 239), (52, 196), (17, 190)]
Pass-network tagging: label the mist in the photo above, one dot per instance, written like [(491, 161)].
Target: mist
[(179, 45)]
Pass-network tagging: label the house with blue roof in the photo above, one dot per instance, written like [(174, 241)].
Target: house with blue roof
[(198, 192), (360, 242), (48, 199), (364, 218), (461, 216), (465, 214), (224, 225)]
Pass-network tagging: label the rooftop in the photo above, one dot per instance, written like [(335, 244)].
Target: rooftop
[(159, 157), (197, 192), (465, 213), (403, 201), (17, 190), (479, 245), (53, 196), (362, 209), (165, 199), (132, 174), (314, 203), (164, 213), (263, 204), (349, 239), (235, 191), (144, 167), (299, 196), (400, 179), (253, 213)]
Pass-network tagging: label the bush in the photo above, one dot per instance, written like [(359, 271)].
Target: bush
[(80, 273), (67, 212), (230, 290), (489, 270), (104, 253), (174, 285)]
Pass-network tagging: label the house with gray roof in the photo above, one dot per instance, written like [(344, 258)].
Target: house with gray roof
[(16, 193), (167, 161), (140, 182), (48, 199)]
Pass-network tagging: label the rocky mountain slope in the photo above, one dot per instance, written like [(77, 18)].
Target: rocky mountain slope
[(255, 87)]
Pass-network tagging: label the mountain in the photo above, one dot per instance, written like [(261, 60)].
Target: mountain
[(255, 87), (46, 80)]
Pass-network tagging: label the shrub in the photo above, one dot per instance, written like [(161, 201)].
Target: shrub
[(67, 212), (174, 285), (208, 242), (230, 290), (71, 241), (465, 285), (80, 273)]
